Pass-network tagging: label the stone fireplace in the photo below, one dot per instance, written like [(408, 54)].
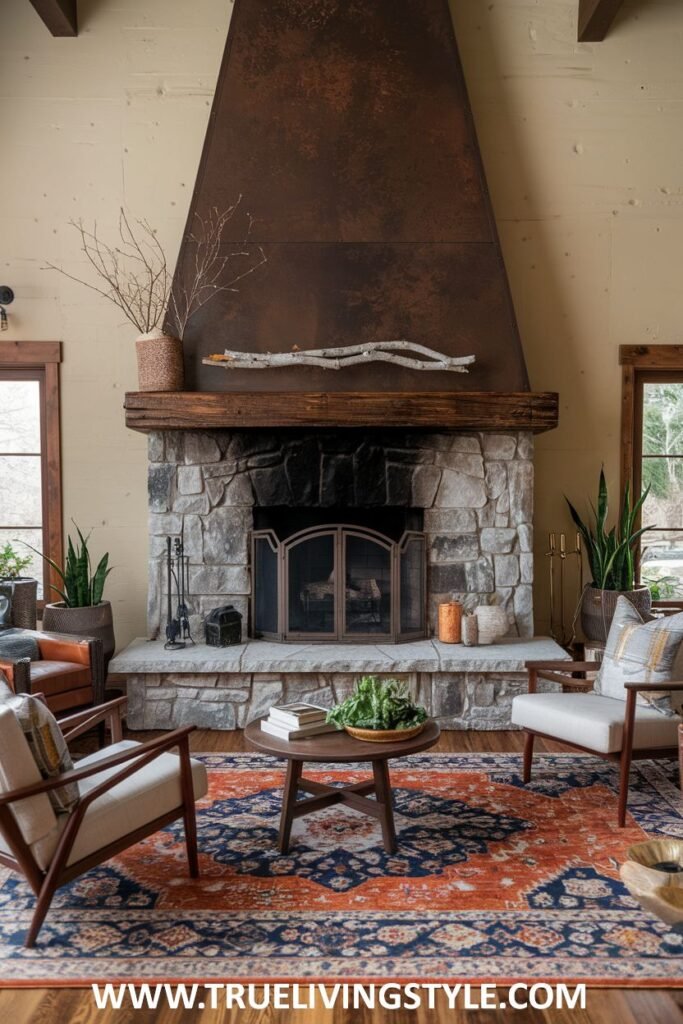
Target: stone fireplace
[(354, 146), (469, 494), (460, 504)]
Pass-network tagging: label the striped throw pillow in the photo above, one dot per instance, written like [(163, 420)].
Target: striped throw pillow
[(47, 745), (643, 652)]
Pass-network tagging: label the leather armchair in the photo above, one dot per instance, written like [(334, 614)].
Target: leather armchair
[(70, 671)]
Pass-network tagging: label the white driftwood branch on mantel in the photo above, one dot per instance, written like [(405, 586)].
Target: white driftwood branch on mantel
[(346, 355)]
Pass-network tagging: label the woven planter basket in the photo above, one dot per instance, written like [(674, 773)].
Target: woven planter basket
[(23, 614), (598, 607), (160, 362), (95, 620)]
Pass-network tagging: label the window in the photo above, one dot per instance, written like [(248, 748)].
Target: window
[(30, 470), (652, 441)]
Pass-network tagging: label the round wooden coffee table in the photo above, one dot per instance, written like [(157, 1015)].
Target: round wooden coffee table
[(338, 747)]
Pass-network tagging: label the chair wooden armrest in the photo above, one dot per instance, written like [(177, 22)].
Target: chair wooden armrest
[(560, 672), (18, 672), (145, 752), (83, 721), (563, 666), (675, 684)]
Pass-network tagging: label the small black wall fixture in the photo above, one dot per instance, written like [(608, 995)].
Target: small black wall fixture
[(6, 297)]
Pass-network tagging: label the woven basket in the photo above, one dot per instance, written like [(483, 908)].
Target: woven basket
[(23, 613), (160, 362), (384, 735), (598, 608)]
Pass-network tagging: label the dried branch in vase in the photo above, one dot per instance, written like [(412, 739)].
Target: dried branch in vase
[(133, 272), (399, 353)]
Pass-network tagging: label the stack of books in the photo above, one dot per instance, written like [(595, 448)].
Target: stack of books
[(296, 720)]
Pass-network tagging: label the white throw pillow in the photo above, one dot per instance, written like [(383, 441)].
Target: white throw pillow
[(644, 652)]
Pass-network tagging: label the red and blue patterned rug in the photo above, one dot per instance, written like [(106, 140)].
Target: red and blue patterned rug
[(492, 880)]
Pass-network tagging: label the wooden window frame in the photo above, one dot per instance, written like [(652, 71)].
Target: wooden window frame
[(40, 361), (642, 364)]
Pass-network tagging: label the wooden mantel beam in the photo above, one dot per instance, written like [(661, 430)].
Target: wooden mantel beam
[(595, 18), (60, 16)]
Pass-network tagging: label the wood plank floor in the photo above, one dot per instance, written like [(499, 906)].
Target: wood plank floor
[(604, 1006)]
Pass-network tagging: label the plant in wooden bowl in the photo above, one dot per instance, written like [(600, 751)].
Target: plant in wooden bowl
[(379, 712)]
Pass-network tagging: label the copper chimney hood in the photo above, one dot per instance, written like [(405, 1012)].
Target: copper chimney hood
[(346, 127)]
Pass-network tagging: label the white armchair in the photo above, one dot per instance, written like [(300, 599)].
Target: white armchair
[(126, 791), (618, 730)]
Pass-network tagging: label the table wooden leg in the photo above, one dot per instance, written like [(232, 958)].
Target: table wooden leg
[(384, 798), (288, 802)]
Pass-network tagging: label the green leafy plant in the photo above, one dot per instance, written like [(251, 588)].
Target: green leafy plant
[(81, 588), (612, 553), (378, 705), (12, 565), (662, 586)]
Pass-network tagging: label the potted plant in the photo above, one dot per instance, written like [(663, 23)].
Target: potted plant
[(24, 588), (82, 610), (133, 274), (611, 556), (379, 712)]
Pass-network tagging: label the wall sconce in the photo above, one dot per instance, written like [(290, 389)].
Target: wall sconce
[(6, 296)]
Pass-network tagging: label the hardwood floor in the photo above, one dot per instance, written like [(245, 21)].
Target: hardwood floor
[(603, 1006)]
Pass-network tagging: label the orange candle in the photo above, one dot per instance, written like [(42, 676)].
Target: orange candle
[(450, 619)]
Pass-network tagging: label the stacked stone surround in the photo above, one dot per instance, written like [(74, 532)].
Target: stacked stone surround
[(466, 700), (476, 490)]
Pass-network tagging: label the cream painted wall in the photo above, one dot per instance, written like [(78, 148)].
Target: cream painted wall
[(584, 154)]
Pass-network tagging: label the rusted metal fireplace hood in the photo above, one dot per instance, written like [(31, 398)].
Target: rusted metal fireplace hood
[(346, 128)]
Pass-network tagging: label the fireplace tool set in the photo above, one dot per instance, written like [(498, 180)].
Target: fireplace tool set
[(178, 633), (559, 574)]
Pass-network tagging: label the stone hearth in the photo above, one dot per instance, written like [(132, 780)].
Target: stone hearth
[(225, 688)]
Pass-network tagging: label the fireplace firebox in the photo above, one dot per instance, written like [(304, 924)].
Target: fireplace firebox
[(339, 581)]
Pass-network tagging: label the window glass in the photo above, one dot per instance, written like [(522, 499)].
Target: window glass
[(661, 469), (21, 487)]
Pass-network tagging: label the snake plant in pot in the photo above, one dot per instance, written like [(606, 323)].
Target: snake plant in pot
[(82, 610), (611, 554)]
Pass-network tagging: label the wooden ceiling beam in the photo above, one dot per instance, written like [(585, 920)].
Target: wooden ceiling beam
[(595, 18), (60, 16)]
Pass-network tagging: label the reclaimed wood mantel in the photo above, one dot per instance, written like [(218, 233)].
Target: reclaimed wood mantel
[(435, 410)]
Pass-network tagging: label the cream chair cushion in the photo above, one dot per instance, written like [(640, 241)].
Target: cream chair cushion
[(133, 803), (34, 816), (592, 721)]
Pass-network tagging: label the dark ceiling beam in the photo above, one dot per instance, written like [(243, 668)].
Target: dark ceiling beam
[(595, 18), (60, 16)]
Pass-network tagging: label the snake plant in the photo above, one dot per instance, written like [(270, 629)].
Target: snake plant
[(611, 552), (81, 588)]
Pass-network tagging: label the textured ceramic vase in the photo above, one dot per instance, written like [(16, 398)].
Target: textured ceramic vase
[(96, 620), (492, 622), (160, 362), (598, 607)]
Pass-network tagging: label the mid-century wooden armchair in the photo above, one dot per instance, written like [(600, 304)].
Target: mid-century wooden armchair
[(127, 791), (618, 730)]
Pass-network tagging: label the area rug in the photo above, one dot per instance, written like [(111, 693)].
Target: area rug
[(492, 881)]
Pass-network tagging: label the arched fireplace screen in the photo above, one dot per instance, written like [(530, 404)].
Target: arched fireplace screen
[(338, 583)]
